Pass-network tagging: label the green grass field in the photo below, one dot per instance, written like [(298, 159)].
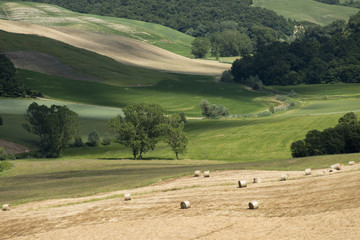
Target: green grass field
[(51, 15), (307, 10)]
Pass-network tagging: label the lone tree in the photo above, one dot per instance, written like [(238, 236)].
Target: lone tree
[(140, 127), (174, 135), (56, 126)]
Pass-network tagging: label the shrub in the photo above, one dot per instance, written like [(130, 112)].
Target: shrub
[(78, 142), (106, 139), (5, 165), (93, 138), (226, 76)]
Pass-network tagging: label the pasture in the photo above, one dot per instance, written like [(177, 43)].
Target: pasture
[(308, 10)]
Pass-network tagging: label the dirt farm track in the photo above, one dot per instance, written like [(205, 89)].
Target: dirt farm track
[(303, 207)]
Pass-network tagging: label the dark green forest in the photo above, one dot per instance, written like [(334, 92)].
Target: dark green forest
[(343, 138), (327, 54), (193, 17)]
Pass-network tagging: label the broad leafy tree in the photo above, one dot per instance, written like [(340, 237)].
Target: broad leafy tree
[(210, 110), (175, 136), (140, 127), (200, 47), (55, 125)]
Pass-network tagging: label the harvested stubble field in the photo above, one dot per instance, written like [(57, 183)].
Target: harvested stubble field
[(122, 49), (304, 207)]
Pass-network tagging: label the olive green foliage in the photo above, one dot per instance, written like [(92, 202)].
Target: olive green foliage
[(230, 43), (78, 142), (324, 55), (9, 85), (343, 138), (55, 125), (226, 76), (5, 165), (213, 110), (175, 136), (3, 154), (140, 127), (200, 47), (106, 139), (93, 138)]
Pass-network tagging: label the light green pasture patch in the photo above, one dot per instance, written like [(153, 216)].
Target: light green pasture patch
[(307, 10)]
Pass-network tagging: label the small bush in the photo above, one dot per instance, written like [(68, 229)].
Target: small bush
[(226, 76), (78, 142), (3, 154), (93, 138), (5, 165), (106, 139)]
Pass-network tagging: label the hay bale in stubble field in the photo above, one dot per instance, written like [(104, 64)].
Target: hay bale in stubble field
[(197, 173), (256, 180), (319, 173), (127, 196), (253, 205), (308, 171), (207, 174), (284, 177), (351, 163), (6, 207), (336, 166), (185, 204), (242, 184)]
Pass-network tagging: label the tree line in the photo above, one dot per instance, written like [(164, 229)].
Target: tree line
[(343, 138), (140, 128), (327, 54)]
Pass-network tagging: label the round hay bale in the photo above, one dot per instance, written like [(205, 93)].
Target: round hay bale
[(256, 180), (127, 196), (253, 205), (207, 174), (185, 205), (242, 184), (6, 207), (351, 163), (308, 171), (333, 170), (319, 173), (284, 177), (336, 166), (197, 173)]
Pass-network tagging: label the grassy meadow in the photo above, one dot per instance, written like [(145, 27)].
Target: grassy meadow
[(51, 15), (307, 10)]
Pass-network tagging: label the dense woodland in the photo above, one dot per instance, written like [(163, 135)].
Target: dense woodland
[(343, 138), (194, 17), (327, 54)]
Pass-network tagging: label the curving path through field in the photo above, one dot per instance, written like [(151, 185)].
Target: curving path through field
[(122, 49), (304, 207)]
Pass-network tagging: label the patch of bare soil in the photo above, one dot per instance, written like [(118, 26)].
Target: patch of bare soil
[(44, 63), (304, 207), (122, 49), (13, 148)]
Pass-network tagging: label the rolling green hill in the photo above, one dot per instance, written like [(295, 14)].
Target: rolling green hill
[(51, 15), (307, 10)]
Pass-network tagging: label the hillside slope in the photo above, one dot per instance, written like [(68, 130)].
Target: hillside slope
[(51, 15), (122, 49), (308, 10)]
